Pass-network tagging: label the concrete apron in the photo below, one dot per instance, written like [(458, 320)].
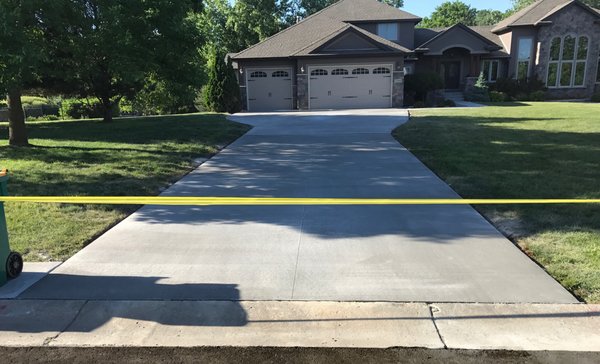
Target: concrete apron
[(528, 327)]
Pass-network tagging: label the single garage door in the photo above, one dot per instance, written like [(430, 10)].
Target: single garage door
[(269, 89), (347, 87)]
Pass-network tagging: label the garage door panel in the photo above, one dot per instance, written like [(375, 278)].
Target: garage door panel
[(269, 89), (356, 87)]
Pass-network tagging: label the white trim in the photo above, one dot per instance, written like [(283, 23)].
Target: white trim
[(291, 72), (573, 62), (390, 65), (488, 77)]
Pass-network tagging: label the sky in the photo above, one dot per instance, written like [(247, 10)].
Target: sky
[(424, 8)]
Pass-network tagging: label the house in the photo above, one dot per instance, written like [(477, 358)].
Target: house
[(355, 54)]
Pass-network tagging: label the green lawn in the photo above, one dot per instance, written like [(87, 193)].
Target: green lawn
[(527, 150), (127, 157)]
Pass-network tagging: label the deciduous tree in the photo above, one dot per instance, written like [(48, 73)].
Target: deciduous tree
[(449, 14)]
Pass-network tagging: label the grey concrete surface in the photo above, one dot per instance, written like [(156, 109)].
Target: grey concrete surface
[(291, 324), (32, 272), (519, 327), (351, 253), (34, 323)]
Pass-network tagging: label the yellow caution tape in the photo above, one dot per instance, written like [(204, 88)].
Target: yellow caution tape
[(273, 201)]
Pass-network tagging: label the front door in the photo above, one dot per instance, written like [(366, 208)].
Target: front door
[(451, 75)]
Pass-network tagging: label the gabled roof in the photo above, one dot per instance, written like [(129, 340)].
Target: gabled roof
[(380, 43), (322, 26), (537, 12), (424, 36)]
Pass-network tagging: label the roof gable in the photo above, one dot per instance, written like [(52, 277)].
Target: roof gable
[(458, 36), (320, 27), (351, 39), (537, 12)]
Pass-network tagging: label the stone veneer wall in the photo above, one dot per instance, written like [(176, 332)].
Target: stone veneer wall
[(577, 21), (302, 91), (398, 88)]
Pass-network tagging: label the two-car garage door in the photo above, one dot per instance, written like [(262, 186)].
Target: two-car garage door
[(346, 87)]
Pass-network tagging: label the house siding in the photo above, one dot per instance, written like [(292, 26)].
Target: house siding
[(577, 21)]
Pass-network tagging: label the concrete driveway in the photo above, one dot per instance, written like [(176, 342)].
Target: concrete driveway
[(352, 253)]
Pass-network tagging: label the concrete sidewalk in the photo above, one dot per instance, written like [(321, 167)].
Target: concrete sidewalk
[(300, 324)]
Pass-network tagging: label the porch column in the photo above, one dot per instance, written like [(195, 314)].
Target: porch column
[(475, 65)]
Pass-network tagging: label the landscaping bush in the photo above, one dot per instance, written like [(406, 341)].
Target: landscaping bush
[(479, 92), (84, 109), (537, 96), (497, 96), (514, 88), (43, 118), (449, 103), (418, 85), (596, 97), (419, 104)]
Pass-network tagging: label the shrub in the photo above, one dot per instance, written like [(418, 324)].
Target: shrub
[(449, 103), (596, 97), (537, 96), (513, 87), (84, 109), (419, 105), (497, 96), (43, 118), (418, 85), (479, 92)]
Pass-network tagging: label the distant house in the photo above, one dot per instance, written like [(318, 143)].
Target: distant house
[(355, 54)]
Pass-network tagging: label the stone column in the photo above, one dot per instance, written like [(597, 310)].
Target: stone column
[(302, 91), (398, 89)]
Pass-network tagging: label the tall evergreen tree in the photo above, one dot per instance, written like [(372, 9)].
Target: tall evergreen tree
[(222, 93)]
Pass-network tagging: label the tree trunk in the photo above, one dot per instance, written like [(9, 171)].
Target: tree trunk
[(108, 112), (17, 133)]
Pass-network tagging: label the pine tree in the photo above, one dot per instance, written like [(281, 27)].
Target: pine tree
[(222, 91)]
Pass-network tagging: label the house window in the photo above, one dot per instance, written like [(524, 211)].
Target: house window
[(568, 61), (280, 74), (381, 71), (318, 72), (490, 69), (360, 71), (339, 72), (388, 31), (524, 60), (258, 74)]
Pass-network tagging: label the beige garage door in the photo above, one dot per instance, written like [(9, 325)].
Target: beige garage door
[(348, 87), (269, 89)]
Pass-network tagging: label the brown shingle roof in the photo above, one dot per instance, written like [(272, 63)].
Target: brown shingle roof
[(325, 25), (535, 13), (424, 35)]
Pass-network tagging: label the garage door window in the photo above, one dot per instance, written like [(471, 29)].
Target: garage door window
[(360, 71), (381, 71), (339, 72), (280, 74), (318, 72), (258, 74)]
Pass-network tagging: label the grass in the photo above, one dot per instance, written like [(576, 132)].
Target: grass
[(525, 150), (127, 157)]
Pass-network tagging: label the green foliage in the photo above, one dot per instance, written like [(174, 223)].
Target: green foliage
[(418, 85), (488, 17), (419, 104), (537, 96), (84, 109), (449, 103), (43, 118), (451, 13), (514, 88), (479, 92), (596, 97), (496, 96), (222, 93), (119, 45), (252, 21)]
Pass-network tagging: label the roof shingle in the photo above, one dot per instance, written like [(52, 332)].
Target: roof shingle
[(325, 25)]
